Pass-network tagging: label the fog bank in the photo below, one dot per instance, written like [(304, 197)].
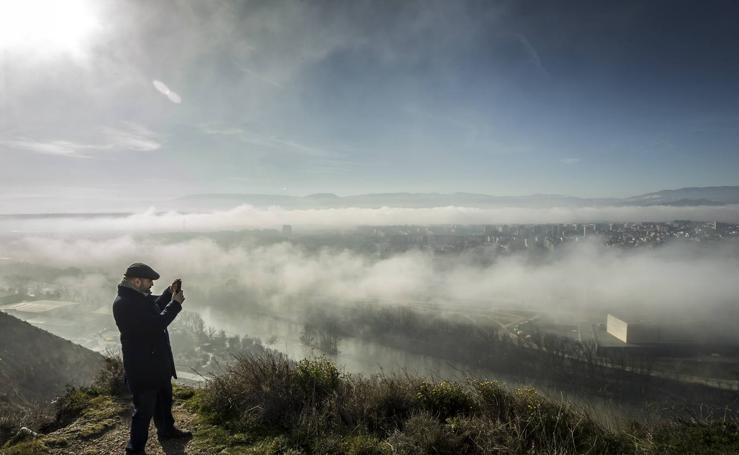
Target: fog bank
[(247, 216), (675, 279)]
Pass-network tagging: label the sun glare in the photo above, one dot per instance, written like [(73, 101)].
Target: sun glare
[(46, 26)]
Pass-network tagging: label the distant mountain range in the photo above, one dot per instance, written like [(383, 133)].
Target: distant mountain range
[(715, 195)]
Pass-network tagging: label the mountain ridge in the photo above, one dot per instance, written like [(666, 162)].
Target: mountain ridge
[(712, 195)]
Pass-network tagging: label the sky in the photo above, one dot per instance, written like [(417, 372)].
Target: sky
[(106, 102)]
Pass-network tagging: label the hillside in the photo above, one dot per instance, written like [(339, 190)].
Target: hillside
[(36, 366), (269, 405)]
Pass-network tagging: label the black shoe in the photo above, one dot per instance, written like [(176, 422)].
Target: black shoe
[(175, 433)]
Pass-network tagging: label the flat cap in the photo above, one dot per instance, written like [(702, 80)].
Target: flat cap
[(140, 270)]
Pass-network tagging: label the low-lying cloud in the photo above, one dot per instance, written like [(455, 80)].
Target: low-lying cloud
[(676, 280)]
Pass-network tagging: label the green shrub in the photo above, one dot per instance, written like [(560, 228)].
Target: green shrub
[(69, 406), (13, 418), (328, 444), (423, 434), (478, 434), (445, 399), (710, 437), (380, 404), (527, 400), (272, 446), (9, 424), (495, 401), (364, 445), (110, 380), (544, 426), (317, 378), (183, 393), (257, 392), (27, 448)]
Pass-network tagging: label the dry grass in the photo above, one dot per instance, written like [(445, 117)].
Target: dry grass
[(268, 404), (311, 407)]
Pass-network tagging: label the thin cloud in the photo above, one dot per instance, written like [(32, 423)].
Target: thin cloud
[(133, 137), (128, 137), (533, 54), (164, 90), (260, 77), (53, 147), (268, 141), (226, 131)]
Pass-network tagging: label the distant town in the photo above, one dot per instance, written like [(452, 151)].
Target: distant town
[(520, 237)]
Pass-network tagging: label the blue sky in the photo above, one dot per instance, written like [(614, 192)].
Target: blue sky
[(514, 97)]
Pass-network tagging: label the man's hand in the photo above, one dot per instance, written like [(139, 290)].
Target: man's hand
[(179, 297)]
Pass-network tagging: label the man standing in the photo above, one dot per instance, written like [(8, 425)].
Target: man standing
[(148, 363)]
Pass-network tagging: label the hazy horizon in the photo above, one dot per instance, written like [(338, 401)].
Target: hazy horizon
[(699, 204)]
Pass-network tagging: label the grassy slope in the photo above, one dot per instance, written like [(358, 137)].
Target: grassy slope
[(269, 405)]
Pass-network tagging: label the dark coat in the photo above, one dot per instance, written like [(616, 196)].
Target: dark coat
[(142, 321)]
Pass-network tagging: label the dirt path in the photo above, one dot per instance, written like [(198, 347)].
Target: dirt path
[(105, 432)]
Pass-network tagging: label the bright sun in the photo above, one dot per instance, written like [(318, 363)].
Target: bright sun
[(46, 26)]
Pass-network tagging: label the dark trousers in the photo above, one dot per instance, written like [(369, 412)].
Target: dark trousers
[(148, 403)]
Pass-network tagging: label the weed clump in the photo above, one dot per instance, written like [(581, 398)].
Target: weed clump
[(69, 406), (494, 400), (718, 437), (445, 399), (9, 424), (110, 379), (257, 391), (317, 379)]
